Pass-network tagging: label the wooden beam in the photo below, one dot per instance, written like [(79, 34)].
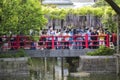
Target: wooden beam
[(114, 6)]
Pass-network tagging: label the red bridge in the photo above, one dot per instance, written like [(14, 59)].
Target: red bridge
[(53, 42), (49, 46)]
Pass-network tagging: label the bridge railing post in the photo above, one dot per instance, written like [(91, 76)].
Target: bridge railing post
[(107, 41), (18, 42), (86, 41), (53, 42)]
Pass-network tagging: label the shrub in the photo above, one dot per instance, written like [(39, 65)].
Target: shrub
[(6, 55), (21, 53), (102, 51)]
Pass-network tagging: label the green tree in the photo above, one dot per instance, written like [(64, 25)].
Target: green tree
[(20, 16), (117, 1), (114, 5), (100, 3)]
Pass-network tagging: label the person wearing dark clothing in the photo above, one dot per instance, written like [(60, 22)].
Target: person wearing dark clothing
[(114, 38), (0, 41), (42, 40), (13, 41), (94, 39)]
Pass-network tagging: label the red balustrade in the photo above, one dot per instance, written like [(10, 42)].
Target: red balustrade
[(51, 42)]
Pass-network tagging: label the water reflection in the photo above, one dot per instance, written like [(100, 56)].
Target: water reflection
[(51, 69)]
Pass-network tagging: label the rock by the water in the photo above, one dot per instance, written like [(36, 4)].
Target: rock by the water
[(80, 74)]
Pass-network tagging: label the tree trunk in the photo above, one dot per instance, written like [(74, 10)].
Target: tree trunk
[(117, 10), (62, 23), (118, 47), (53, 24)]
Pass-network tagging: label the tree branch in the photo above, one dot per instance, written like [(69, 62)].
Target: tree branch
[(114, 6)]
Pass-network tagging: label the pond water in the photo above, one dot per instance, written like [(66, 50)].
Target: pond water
[(52, 69)]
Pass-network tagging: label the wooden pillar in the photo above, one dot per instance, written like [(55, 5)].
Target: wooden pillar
[(45, 64), (118, 53), (62, 23), (53, 24), (62, 67), (53, 68)]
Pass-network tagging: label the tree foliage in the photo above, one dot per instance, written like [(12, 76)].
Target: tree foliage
[(19, 16), (61, 13), (105, 13), (55, 13), (100, 3), (117, 1)]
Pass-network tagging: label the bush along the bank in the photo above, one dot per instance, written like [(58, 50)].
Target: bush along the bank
[(102, 51), (20, 53)]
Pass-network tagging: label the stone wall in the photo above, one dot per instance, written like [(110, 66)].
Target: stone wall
[(98, 64), (13, 66), (58, 53)]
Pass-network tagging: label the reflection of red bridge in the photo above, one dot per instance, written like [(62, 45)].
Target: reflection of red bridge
[(53, 42)]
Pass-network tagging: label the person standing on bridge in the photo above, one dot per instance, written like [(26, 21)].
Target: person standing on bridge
[(79, 40), (114, 38), (50, 33), (42, 40), (94, 38), (66, 39), (101, 37)]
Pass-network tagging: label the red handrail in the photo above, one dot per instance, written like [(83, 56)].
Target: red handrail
[(57, 43), (107, 41), (86, 40)]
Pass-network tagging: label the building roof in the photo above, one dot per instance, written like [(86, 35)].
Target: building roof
[(69, 3), (58, 2)]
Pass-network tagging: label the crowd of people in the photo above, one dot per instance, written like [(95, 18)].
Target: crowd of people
[(75, 38), (79, 38)]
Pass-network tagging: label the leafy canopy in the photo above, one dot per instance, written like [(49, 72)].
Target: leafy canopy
[(20, 16)]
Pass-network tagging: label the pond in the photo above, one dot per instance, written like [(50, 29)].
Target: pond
[(52, 69)]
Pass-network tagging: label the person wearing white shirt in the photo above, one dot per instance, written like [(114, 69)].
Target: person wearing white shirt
[(50, 33), (66, 39)]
